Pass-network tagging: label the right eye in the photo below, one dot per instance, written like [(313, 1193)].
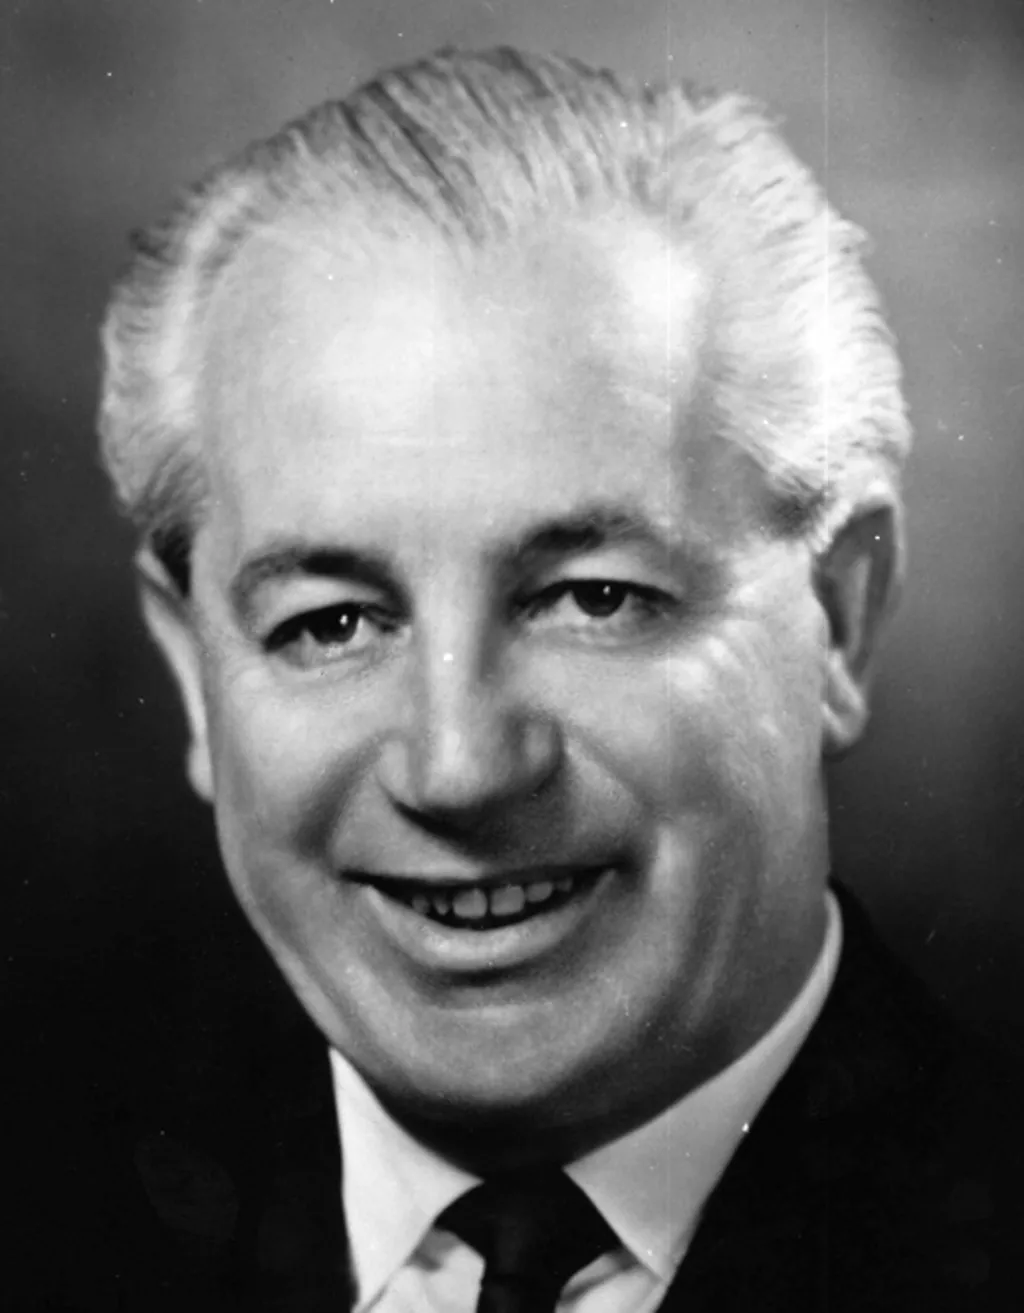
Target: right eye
[(331, 633)]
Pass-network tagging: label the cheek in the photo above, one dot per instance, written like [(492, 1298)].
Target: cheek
[(731, 725), (282, 764)]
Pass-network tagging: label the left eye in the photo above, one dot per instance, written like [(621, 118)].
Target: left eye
[(599, 598), (583, 604)]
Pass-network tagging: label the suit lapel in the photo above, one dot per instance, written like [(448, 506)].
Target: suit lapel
[(244, 1179), (825, 1206), (292, 1239)]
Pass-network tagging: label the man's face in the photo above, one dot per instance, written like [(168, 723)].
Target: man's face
[(512, 711)]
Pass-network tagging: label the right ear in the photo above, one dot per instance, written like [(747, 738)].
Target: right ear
[(170, 619)]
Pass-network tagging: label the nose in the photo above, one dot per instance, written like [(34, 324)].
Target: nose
[(470, 744)]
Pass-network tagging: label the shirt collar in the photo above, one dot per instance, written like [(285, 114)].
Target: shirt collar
[(393, 1187), (649, 1185)]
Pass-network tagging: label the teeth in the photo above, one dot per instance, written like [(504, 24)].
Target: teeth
[(471, 904), (507, 900), (480, 903)]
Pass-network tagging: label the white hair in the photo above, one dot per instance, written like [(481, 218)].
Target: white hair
[(799, 367)]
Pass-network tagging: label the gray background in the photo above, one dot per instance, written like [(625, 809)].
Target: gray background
[(913, 115)]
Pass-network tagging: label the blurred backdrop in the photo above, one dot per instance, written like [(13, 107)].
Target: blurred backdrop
[(912, 113)]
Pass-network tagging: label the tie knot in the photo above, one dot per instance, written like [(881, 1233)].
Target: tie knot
[(534, 1230)]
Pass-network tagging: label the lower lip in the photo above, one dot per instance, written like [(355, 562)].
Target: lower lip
[(443, 948)]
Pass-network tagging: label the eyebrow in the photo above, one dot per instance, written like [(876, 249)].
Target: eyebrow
[(589, 530), (287, 557), (560, 537)]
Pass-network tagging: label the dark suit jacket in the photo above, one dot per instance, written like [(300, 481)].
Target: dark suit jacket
[(883, 1176)]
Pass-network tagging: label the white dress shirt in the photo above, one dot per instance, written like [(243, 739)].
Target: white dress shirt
[(650, 1185)]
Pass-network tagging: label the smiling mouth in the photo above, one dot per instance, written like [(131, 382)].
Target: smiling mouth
[(490, 906)]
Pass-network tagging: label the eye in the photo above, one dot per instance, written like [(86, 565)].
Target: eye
[(330, 633), (599, 598), (599, 610)]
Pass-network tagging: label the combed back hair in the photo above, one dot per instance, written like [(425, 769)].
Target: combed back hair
[(798, 366)]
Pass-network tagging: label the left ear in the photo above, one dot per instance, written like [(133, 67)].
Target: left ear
[(857, 580)]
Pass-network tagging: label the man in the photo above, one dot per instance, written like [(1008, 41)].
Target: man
[(516, 458)]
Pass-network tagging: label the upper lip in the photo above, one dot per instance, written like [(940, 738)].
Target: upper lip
[(396, 880)]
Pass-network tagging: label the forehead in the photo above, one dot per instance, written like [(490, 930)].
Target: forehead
[(607, 288), (559, 367)]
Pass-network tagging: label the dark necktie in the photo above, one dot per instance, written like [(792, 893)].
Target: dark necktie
[(534, 1231)]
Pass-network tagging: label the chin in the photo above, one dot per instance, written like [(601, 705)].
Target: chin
[(484, 1077), (494, 1117)]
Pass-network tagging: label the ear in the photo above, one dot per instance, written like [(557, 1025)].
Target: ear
[(857, 580), (169, 617)]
